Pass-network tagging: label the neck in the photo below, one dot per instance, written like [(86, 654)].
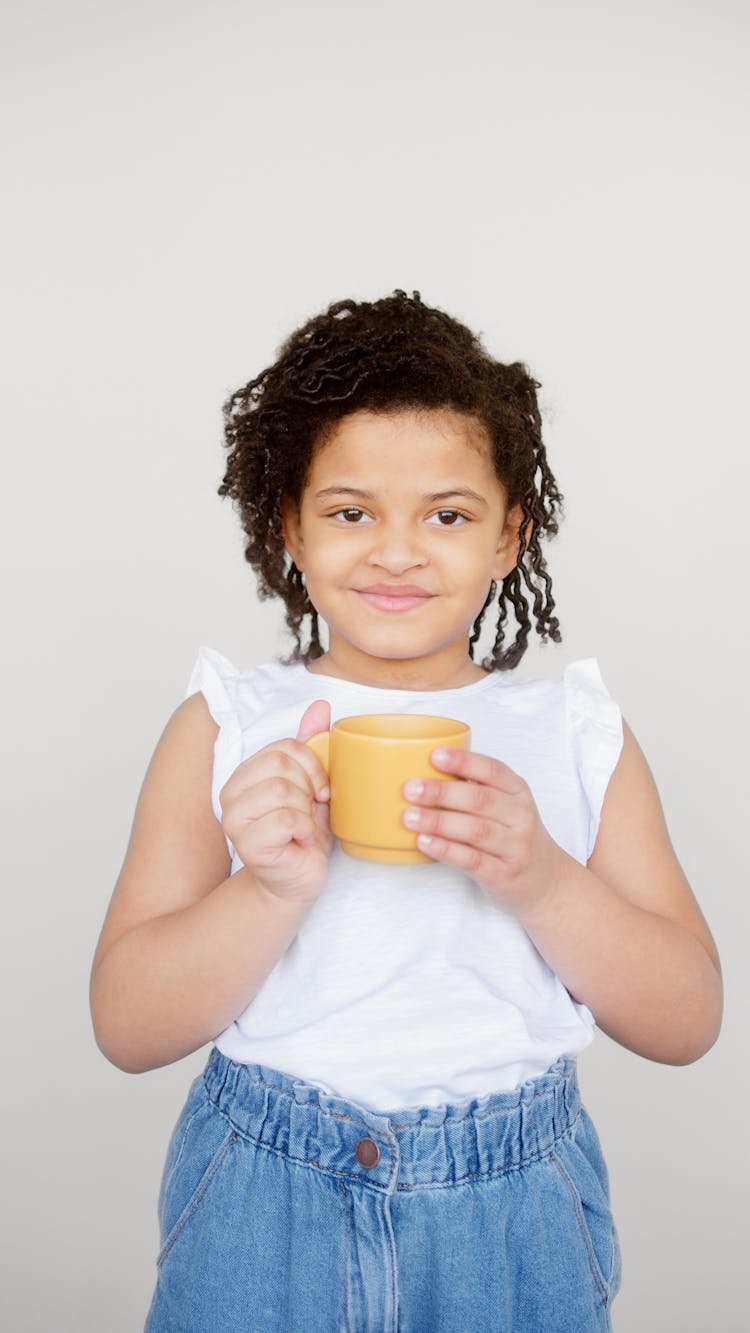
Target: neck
[(418, 674)]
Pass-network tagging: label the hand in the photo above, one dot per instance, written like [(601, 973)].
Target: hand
[(275, 812), (486, 824)]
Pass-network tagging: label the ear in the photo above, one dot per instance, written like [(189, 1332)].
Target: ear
[(292, 530), (506, 555)]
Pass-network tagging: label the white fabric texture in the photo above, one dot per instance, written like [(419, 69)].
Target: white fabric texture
[(408, 985)]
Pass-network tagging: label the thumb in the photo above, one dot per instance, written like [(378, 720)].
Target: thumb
[(316, 717)]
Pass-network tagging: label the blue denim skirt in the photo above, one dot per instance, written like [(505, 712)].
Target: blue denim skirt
[(285, 1210)]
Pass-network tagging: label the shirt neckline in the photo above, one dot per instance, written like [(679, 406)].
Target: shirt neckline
[(473, 687)]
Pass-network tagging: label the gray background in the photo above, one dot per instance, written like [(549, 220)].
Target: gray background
[(186, 183)]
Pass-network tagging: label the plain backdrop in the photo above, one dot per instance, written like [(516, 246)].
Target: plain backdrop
[(183, 185)]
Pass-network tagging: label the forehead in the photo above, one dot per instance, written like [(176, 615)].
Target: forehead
[(436, 438)]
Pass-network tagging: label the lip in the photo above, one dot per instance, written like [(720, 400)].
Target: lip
[(394, 596)]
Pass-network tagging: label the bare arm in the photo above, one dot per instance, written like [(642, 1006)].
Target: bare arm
[(624, 934), (185, 945)]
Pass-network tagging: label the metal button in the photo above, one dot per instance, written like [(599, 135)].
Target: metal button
[(367, 1153)]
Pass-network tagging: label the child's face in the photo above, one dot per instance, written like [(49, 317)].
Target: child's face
[(401, 527)]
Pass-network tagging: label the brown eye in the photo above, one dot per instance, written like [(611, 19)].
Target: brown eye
[(449, 518), (349, 515)]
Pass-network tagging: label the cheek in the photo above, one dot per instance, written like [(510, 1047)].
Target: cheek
[(475, 559), (323, 573)]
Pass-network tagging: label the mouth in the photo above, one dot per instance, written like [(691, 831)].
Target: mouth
[(394, 597)]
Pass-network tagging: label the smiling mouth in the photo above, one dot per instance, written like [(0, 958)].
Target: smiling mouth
[(395, 598)]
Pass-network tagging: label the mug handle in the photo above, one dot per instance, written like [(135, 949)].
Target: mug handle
[(320, 744)]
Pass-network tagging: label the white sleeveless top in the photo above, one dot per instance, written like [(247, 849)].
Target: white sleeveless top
[(407, 985)]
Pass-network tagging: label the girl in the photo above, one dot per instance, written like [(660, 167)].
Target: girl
[(388, 1133)]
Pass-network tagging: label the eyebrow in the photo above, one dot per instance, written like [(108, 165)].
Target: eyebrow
[(463, 492)]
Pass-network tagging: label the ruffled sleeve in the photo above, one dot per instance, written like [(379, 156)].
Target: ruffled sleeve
[(595, 725), (217, 680)]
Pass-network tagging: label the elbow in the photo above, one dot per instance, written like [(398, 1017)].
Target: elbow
[(118, 1054), (703, 1044), (112, 1036), (691, 1051), (680, 1034), (702, 1032), (131, 1046), (114, 1048)]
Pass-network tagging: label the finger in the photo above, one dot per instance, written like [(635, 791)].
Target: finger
[(316, 717), (472, 860), (265, 839), (482, 835), (474, 797), (477, 768), (275, 793), (322, 818), (321, 811), (288, 759)]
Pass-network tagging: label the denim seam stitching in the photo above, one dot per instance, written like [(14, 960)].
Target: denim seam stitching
[(181, 1148), (532, 1159), (196, 1197), (393, 1254), (345, 1206), (519, 1165), (305, 1161), (583, 1228)]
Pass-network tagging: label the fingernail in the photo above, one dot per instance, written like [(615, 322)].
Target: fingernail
[(323, 794), (413, 788), (440, 755), (411, 817)]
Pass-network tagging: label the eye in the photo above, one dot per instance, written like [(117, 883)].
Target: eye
[(448, 518), (350, 515)]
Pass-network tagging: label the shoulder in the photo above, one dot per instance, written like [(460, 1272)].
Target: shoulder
[(632, 794), (237, 696), (632, 817), (580, 682), (575, 701), (191, 730), (177, 851), (177, 784)]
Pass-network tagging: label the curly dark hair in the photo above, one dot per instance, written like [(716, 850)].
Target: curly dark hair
[(394, 353)]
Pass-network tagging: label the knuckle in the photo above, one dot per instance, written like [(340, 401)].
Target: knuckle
[(278, 761), (287, 819), (279, 789), (481, 830), (473, 859), (481, 797)]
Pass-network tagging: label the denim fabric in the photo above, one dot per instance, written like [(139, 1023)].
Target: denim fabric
[(490, 1216)]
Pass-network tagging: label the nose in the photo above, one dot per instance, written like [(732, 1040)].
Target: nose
[(397, 547)]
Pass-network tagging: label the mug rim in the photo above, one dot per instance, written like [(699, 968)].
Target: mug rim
[(442, 727)]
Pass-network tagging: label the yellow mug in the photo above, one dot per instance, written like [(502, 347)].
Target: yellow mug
[(368, 759)]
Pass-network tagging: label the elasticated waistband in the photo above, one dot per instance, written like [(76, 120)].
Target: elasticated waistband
[(419, 1147)]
